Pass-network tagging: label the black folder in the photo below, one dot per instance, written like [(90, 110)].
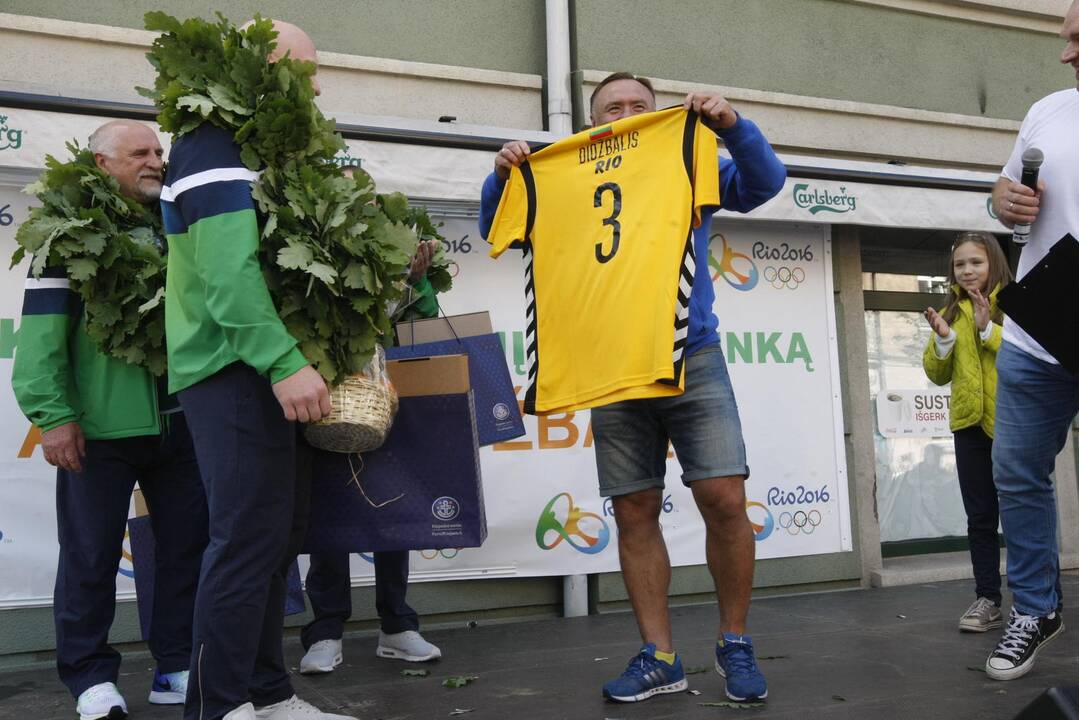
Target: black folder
[(1045, 303)]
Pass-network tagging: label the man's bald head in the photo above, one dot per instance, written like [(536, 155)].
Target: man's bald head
[(1070, 33), (297, 44), (130, 152)]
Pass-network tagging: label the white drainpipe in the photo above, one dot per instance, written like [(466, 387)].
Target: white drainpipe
[(559, 102), (560, 123)]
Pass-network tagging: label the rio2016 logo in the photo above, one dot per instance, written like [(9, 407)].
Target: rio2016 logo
[(760, 517), (738, 269), (584, 531)]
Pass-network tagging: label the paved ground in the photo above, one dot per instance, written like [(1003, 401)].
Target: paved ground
[(879, 654)]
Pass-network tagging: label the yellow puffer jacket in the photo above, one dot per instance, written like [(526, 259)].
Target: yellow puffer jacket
[(971, 368)]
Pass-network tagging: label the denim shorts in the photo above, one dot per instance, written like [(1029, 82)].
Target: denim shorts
[(702, 423)]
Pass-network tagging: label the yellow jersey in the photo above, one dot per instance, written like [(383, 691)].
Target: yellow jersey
[(605, 219)]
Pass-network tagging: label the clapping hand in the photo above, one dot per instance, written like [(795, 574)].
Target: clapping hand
[(981, 309), (940, 327)]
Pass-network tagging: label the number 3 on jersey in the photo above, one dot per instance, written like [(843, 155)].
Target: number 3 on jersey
[(612, 219)]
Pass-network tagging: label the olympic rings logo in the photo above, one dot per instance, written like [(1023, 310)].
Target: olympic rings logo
[(742, 276), (784, 277), (444, 553), (800, 521), (582, 539)]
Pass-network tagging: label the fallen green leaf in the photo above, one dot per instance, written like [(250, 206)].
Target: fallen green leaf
[(732, 704), (840, 698), (976, 668), (696, 670), (458, 681), (415, 673)]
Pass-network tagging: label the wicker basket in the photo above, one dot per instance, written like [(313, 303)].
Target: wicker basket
[(364, 406)]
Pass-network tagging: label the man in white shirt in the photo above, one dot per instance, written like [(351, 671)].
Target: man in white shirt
[(1036, 397)]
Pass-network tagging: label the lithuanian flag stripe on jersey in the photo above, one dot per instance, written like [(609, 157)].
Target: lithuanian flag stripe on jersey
[(600, 133)]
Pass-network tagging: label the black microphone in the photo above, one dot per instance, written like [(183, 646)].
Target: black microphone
[(1032, 162)]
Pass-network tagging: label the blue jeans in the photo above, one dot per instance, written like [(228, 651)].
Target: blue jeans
[(1036, 402), (702, 424)]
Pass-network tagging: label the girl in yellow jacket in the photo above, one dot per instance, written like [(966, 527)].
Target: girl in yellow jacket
[(963, 351)]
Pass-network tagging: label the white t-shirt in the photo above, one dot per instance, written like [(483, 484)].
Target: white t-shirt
[(1051, 125)]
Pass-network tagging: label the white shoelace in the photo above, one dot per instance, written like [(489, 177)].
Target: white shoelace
[(1021, 629)]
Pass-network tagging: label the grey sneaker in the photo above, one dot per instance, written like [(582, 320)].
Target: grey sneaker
[(322, 657), (981, 616), (408, 645)]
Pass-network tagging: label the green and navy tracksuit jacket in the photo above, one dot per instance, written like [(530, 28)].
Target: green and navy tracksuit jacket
[(217, 308), (60, 376)]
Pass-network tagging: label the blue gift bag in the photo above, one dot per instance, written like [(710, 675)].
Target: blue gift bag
[(421, 490), (498, 416)]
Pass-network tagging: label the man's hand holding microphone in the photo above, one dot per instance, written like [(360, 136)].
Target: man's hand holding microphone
[(1016, 203)]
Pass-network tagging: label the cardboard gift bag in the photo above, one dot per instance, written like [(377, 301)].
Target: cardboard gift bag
[(143, 546), (422, 489), (498, 416)]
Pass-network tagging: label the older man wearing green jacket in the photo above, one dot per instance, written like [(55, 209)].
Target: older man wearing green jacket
[(106, 425)]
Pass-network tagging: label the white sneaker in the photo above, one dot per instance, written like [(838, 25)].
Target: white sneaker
[(244, 712), (296, 709), (323, 657), (101, 702), (408, 645)]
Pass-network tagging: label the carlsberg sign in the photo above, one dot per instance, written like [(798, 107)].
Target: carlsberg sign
[(817, 200)]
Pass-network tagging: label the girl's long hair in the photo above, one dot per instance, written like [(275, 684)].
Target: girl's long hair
[(1000, 273)]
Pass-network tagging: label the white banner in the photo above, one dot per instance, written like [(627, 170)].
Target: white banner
[(913, 413), (545, 515)]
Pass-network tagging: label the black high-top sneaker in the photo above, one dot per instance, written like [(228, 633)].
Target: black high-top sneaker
[(1023, 638)]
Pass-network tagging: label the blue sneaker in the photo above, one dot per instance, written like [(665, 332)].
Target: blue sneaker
[(735, 662), (169, 688), (645, 676)]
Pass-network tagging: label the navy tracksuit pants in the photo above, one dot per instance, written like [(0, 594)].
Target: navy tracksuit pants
[(329, 588), (257, 480), (91, 518)]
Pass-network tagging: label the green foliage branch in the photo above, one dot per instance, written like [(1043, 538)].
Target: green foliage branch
[(109, 246), (334, 254)]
